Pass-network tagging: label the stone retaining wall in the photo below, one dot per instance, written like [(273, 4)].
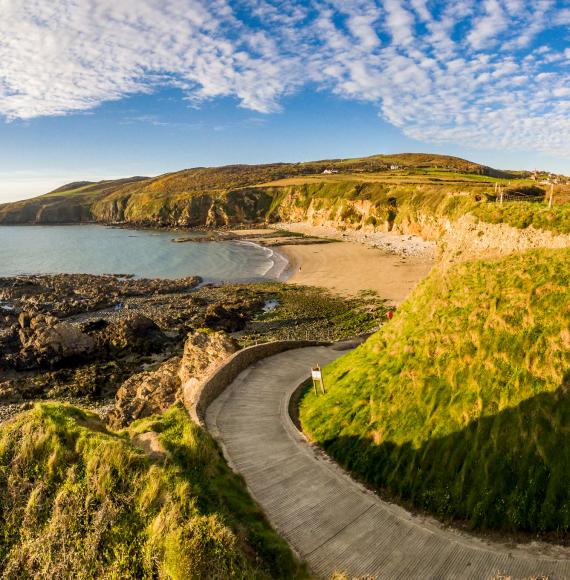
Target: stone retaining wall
[(214, 385)]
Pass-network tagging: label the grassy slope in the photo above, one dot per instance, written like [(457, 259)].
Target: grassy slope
[(522, 215), (71, 203), (165, 193), (79, 501), (425, 186), (152, 198), (461, 404)]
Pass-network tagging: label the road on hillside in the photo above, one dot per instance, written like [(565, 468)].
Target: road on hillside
[(331, 521)]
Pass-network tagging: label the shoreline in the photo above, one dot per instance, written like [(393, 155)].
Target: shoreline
[(347, 267), (345, 262)]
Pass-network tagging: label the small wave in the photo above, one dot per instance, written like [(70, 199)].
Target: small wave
[(277, 262), (280, 266)]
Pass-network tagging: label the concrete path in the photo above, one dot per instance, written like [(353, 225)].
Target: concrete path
[(331, 521)]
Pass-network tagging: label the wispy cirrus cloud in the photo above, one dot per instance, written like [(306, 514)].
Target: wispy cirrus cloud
[(490, 74)]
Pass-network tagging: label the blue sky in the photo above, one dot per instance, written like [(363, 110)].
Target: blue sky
[(93, 89)]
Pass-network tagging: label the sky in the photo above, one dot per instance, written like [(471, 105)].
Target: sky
[(96, 89)]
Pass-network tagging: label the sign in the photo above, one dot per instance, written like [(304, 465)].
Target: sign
[(317, 376)]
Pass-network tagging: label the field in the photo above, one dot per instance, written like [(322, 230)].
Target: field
[(460, 405), (77, 500)]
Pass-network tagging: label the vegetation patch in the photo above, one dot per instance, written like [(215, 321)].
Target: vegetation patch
[(79, 501), (524, 214), (305, 313), (461, 404)]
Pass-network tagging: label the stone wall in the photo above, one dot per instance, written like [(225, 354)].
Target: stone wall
[(215, 384)]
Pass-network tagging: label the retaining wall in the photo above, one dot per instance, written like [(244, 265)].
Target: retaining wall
[(214, 384)]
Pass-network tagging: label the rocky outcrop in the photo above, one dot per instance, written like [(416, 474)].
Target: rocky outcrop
[(136, 333), (145, 394), (203, 352), (177, 379), (470, 239), (46, 342)]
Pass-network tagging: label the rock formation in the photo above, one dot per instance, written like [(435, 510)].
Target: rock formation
[(177, 379), (46, 342), (145, 394)]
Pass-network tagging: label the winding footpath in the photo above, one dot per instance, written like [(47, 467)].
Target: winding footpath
[(332, 522)]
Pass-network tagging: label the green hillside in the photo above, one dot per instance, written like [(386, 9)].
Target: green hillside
[(71, 203), (412, 192), (461, 404), (194, 196), (78, 501)]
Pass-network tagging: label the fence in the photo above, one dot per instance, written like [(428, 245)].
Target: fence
[(522, 197)]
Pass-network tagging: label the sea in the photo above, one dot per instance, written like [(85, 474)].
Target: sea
[(96, 249)]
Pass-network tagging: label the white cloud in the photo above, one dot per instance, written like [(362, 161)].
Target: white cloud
[(486, 29), (60, 56), (464, 73)]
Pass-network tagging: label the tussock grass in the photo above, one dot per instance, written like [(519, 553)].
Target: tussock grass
[(524, 214), (79, 501), (461, 404)]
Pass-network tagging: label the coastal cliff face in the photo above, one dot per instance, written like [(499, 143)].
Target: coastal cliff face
[(208, 210), (455, 217), (245, 193), (428, 196)]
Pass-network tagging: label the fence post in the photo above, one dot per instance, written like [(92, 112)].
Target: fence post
[(551, 195)]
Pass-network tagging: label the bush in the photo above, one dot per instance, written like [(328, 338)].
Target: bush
[(80, 501)]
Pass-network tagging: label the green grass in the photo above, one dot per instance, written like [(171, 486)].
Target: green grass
[(461, 404), (79, 501), (425, 189), (305, 313), (524, 214)]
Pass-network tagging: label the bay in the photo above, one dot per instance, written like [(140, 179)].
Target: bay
[(95, 249)]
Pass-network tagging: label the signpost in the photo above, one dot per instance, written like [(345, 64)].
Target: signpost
[(317, 376)]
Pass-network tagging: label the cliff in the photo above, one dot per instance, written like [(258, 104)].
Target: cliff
[(236, 193)]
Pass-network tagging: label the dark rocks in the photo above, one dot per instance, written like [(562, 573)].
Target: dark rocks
[(46, 342), (94, 326), (65, 295), (137, 333), (227, 319), (177, 379), (9, 392)]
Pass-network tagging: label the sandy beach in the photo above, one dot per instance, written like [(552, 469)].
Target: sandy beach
[(348, 268), (391, 267)]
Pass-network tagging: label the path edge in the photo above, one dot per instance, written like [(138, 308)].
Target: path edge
[(197, 400)]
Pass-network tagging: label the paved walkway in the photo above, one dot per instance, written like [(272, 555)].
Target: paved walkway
[(332, 522)]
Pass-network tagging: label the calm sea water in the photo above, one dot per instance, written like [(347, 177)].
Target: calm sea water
[(93, 249)]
